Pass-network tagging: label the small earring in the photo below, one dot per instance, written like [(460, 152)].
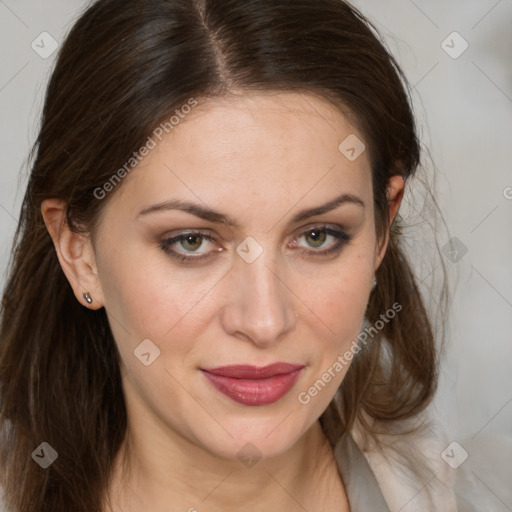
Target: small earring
[(87, 297), (374, 284)]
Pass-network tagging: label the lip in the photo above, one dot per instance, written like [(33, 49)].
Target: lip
[(247, 371), (251, 385)]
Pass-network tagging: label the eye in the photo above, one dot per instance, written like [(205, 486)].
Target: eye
[(317, 237), (191, 242)]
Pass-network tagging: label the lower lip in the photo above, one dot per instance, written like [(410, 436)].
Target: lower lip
[(254, 391)]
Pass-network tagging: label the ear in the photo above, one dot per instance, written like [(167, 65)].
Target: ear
[(394, 193), (75, 253)]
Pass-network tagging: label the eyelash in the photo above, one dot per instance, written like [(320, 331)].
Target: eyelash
[(341, 237)]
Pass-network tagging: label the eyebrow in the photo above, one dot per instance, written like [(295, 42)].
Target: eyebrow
[(221, 218)]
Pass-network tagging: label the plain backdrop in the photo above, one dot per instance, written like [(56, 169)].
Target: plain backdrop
[(457, 55)]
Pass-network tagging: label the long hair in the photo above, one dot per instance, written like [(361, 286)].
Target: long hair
[(124, 68)]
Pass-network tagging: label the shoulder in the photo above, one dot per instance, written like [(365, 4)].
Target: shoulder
[(408, 466)]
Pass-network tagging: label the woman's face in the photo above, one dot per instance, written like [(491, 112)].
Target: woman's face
[(273, 287)]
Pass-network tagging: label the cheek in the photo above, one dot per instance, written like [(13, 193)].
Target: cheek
[(148, 298), (139, 290), (340, 298), (336, 312)]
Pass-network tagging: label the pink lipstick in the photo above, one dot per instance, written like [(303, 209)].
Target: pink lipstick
[(250, 385)]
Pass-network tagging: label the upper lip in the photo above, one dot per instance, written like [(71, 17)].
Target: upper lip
[(246, 371)]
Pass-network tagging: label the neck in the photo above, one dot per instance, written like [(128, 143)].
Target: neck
[(148, 475)]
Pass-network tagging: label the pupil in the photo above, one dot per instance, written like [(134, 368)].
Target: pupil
[(315, 235), (192, 237)]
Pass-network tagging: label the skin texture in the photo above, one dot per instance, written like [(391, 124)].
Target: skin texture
[(260, 159)]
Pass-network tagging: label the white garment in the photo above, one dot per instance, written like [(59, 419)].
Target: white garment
[(481, 483), (376, 482)]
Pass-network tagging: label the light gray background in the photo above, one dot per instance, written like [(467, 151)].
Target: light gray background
[(464, 108)]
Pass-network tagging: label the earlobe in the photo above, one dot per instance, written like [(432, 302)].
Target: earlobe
[(75, 254)]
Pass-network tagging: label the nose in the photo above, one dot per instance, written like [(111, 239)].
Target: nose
[(261, 308)]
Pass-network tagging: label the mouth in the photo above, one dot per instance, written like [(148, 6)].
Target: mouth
[(251, 385)]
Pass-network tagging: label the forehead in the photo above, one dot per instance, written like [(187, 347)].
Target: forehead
[(260, 150)]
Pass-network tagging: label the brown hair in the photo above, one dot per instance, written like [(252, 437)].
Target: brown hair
[(123, 68)]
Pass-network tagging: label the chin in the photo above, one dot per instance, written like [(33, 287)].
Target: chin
[(250, 438)]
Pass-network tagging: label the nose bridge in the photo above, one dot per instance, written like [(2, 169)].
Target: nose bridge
[(262, 307)]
